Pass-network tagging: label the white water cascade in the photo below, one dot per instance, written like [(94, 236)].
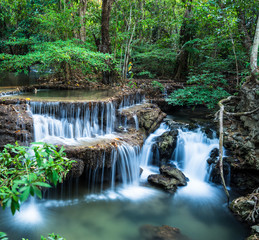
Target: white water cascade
[(147, 152), (192, 150), (68, 122)]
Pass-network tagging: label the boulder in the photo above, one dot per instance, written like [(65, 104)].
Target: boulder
[(77, 168), (174, 173), (215, 171), (149, 232), (166, 183), (149, 117), (169, 179), (166, 144)]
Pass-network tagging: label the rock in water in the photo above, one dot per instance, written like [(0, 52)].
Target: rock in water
[(167, 183), (169, 178), (175, 173), (149, 232)]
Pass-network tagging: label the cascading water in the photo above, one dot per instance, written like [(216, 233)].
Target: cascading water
[(192, 150), (56, 121), (126, 163), (147, 152)]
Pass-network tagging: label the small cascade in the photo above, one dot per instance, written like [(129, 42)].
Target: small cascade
[(136, 121), (65, 120), (147, 153), (84, 120), (192, 150), (130, 100)]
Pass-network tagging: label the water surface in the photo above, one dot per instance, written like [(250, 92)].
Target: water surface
[(66, 95)]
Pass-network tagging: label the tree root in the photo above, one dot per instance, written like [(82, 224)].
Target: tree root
[(221, 135)]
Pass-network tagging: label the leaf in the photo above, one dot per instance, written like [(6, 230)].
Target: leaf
[(24, 196), (42, 184), (37, 192)]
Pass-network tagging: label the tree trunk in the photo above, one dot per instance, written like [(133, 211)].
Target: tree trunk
[(105, 46), (181, 68), (254, 52), (82, 12), (105, 28)]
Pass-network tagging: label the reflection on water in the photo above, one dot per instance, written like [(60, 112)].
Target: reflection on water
[(66, 95), (9, 79)]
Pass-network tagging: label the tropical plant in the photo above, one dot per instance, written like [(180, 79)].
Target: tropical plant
[(25, 171)]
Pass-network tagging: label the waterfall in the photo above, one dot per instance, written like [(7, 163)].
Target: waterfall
[(191, 153), (192, 150), (147, 153), (125, 165), (57, 121), (136, 121)]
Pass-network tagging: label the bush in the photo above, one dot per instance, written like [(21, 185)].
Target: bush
[(204, 90)]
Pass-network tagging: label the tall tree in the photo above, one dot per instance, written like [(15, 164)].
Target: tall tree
[(105, 46), (82, 13), (186, 34), (254, 53)]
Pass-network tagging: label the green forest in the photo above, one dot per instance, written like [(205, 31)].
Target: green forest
[(206, 44)]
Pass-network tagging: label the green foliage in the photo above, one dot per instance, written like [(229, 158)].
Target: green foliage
[(204, 90), (24, 171), (132, 84), (3, 236), (62, 55), (158, 85), (153, 60), (146, 74), (53, 236)]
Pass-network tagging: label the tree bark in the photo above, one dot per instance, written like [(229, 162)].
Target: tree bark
[(105, 46), (181, 68), (105, 28), (82, 12), (254, 52)]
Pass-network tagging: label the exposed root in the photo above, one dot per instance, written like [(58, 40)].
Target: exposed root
[(220, 113)]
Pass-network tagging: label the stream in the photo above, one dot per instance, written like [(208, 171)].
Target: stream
[(81, 208)]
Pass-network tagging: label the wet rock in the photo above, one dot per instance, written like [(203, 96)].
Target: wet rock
[(246, 208), (149, 232), (166, 144), (174, 173), (214, 153), (215, 172), (169, 179), (166, 183), (16, 124), (93, 153), (149, 117), (77, 168)]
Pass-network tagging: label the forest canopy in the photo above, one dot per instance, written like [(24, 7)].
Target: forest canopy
[(165, 39)]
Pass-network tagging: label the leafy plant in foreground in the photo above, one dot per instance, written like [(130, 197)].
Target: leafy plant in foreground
[(204, 90), (24, 171)]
